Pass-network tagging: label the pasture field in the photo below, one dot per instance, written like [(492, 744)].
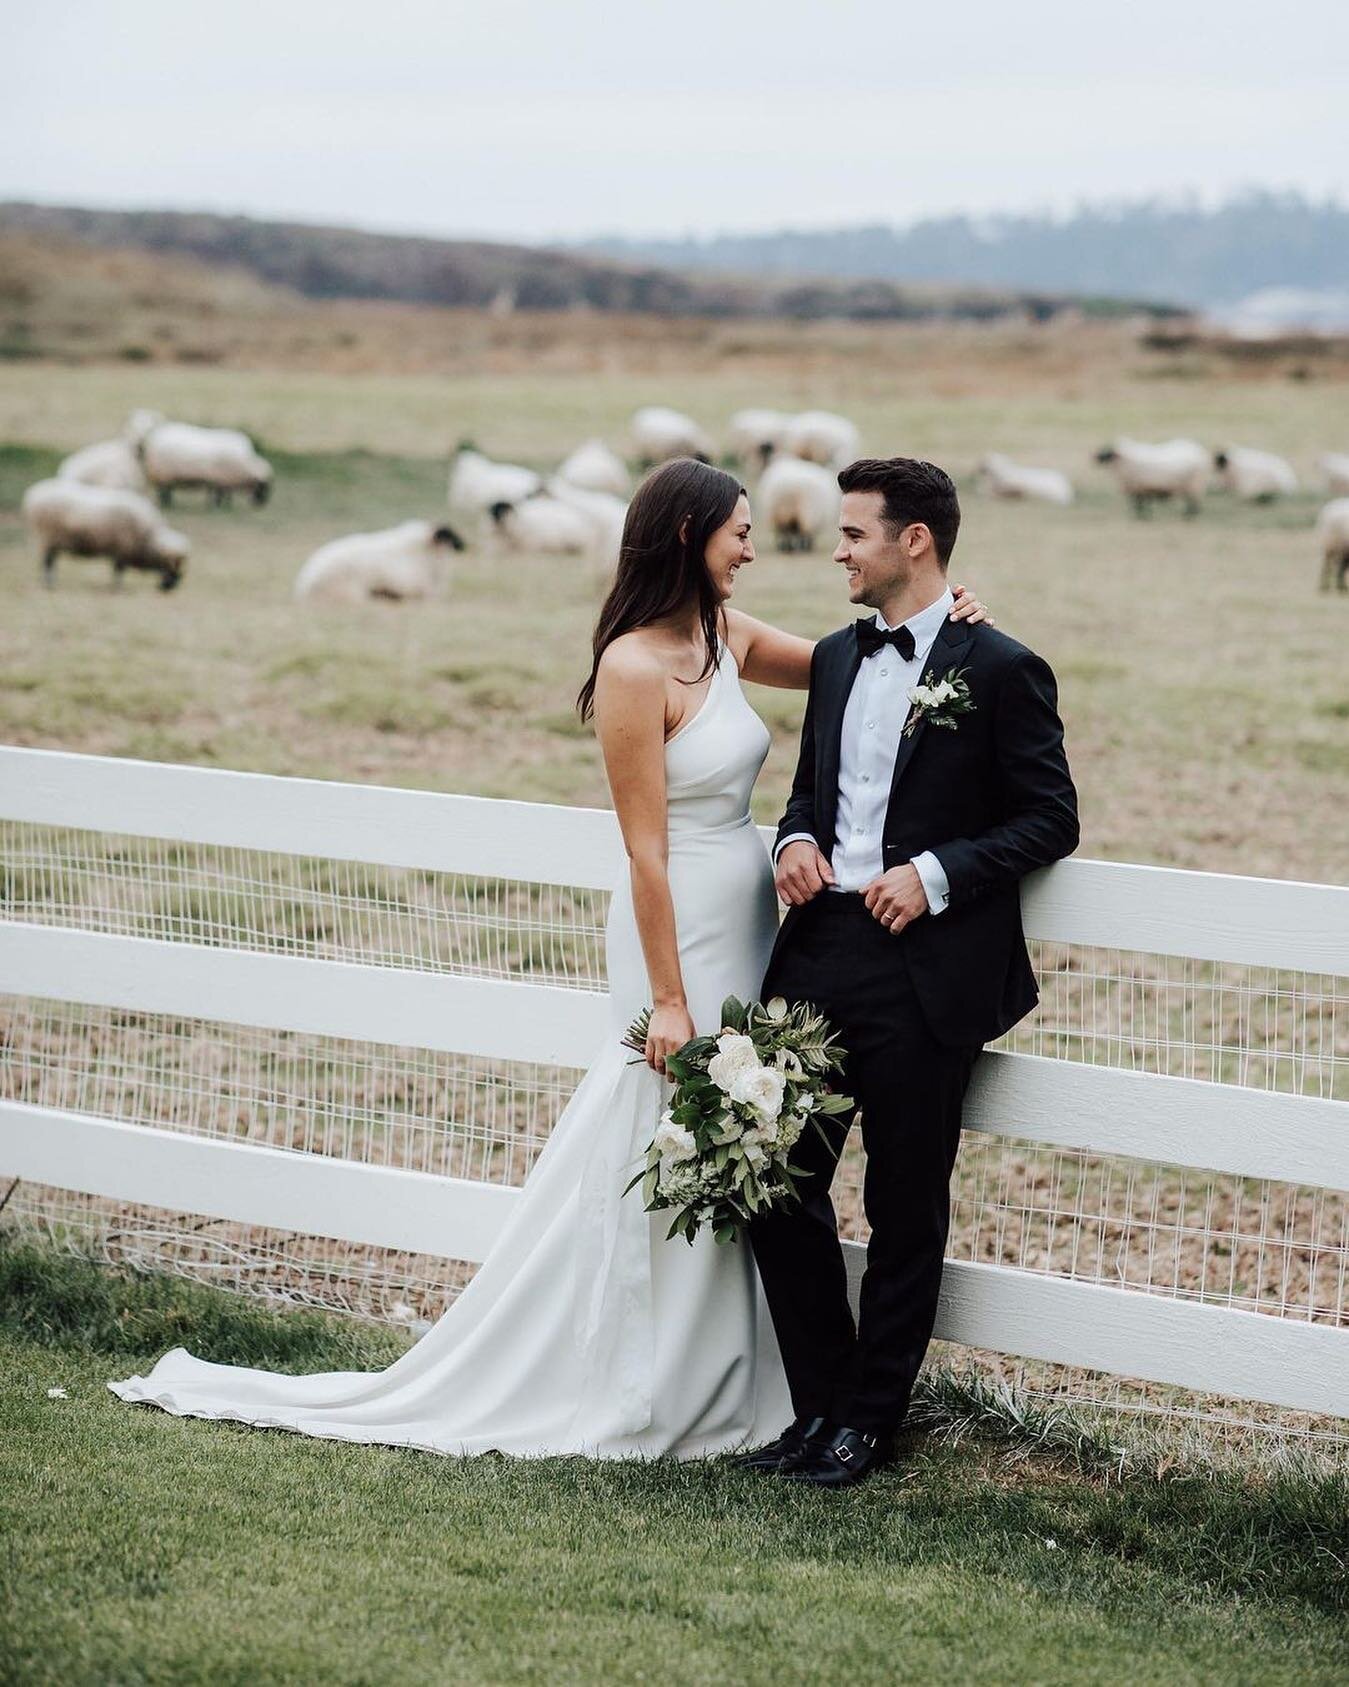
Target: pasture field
[(154, 1549), (1203, 677)]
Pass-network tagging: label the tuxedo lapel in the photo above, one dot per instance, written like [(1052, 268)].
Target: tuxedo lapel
[(835, 684), (948, 649)]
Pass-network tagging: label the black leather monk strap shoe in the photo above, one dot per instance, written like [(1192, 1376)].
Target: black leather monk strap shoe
[(801, 1438), (848, 1457)]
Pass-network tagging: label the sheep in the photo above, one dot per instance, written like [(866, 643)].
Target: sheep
[(753, 436), (1256, 477), (595, 468), (544, 524), (605, 513), (111, 463), (396, 562), (659, 434), (1002, 478), (1332, 529), (1335, 467), (821, 437), (476, 483), (66, 515), (222, 460), (798, 500), (1148, 473)]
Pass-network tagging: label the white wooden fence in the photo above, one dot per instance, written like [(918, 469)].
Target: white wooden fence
[(1184, 1122)]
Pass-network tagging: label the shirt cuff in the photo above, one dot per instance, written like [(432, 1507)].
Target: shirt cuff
[(936, 886), (796, 837)]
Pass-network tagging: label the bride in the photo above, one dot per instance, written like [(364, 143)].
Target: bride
[(584, 1330)]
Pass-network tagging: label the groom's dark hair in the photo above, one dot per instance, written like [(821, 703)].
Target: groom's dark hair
[(912, 490)]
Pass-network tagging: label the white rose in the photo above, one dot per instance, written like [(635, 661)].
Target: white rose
[(671, 1142), (943, 692), (735, 1054), (761, 1089), (921, 697), (755, 1155)]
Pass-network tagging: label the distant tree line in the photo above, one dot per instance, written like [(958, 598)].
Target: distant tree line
[(354, 263), (1175, 250)]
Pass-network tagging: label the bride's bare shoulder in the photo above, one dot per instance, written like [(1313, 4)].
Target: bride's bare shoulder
[(632, 663)]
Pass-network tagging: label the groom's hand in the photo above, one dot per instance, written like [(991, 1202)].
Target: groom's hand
[(897, 898), (802, 873)]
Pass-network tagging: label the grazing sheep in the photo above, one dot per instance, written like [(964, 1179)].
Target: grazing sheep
[(476, 483), (111, 463), (544, 525), (124, 527), (798, 500), (396, 563), (1002, 478), (1332, 529), (1335, 468), (595, 468), (1254, 476), (605, 513), (659, 434), (754, 436), (221, 460), (1147, 473), (821, 437)]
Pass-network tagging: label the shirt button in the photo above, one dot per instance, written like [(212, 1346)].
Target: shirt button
[(866, 778), (859, 830), (884, 672), (871, 726)]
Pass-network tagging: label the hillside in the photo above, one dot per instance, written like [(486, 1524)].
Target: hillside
[(339, 263), (1200, 257)]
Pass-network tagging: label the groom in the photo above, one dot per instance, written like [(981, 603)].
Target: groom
[(908, 831)]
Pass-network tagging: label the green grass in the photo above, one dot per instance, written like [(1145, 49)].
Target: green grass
[(152, 1549)]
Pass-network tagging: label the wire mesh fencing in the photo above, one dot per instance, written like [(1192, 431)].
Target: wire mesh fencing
[(1278, 1249)]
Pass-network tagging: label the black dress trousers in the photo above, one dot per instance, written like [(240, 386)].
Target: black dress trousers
[(909, 1089)]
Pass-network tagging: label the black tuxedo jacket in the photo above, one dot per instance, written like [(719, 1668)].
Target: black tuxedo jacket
[(992, 800)]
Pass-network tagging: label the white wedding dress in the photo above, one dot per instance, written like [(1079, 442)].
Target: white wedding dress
[(584, 1330)]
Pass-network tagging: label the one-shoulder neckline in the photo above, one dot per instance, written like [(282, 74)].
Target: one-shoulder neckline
[(679, 731)]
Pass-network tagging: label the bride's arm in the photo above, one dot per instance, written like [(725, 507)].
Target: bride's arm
[(766, 654), (770, 656), (630, 723)]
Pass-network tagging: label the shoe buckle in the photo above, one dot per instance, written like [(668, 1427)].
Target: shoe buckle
[(843, 1454)]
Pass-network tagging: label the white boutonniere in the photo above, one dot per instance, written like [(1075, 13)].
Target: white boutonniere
[(939, 702)]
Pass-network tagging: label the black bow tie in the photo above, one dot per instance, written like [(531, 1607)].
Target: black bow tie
[(870, 639)]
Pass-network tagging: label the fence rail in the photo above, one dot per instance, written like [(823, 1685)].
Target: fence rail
[(1222, 1127)]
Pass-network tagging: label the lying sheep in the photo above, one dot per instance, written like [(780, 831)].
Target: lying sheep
[(124, 527), (111, 463), (605, 514), (595, 468), (1002, 478), (798, 500), (821, 437), (1147, 473), (1332, 529), (544, 525), (476, 483), (397, 562), (753, 437), (1335, 468), (1255, 477), (223, 461), (658, 434)]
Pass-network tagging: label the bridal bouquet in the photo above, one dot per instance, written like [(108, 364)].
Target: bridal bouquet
[(741, 1100)]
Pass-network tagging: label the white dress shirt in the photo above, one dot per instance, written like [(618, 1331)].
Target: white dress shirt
[(873, 720)]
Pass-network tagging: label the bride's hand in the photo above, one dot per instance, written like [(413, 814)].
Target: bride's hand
[(968, 608), (669, 1030)]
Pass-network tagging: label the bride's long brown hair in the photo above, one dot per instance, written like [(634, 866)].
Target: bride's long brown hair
[(659, 572)]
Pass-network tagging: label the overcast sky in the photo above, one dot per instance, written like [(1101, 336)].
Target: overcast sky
[(541, 119)]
